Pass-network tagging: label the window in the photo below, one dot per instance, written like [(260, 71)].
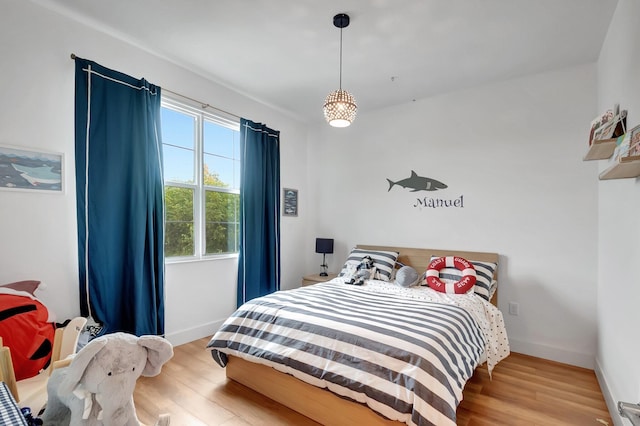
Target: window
[(201, 182)]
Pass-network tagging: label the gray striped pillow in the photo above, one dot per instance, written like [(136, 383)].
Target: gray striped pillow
[(384, 262), (484, 276)]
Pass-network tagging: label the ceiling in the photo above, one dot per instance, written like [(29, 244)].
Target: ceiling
[(285, 53)]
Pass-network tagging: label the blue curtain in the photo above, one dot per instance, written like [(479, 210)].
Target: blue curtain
[(120, 210), (259, 258)]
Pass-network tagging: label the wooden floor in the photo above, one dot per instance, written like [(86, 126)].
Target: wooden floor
[(193, 389)]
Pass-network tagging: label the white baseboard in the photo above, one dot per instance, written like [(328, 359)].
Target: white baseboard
[(553, 353), (181, 337), (612, 404)]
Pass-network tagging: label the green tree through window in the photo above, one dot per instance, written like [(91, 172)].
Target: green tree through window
[(202, 206), (221, 217), (179, 232)]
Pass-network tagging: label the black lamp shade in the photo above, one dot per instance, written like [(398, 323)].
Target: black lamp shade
[(324, 245)]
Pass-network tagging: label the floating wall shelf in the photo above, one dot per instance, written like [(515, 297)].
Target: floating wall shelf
[(614, 129), (627, 167), (601, 149)]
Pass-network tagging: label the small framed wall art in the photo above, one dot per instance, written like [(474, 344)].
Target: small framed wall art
[(30, 170), (289, 202)]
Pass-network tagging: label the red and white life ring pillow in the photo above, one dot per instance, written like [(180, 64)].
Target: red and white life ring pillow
[(462, 286)]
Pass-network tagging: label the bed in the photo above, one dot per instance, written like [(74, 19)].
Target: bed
[(376, 354)]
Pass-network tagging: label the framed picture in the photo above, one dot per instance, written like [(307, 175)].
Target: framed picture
[(29, 170), (289, 202), (634, 142)]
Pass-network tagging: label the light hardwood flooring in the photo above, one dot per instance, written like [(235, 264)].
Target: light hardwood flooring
[(524, 390)]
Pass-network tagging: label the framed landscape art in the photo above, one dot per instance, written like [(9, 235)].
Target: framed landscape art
[(28, 170)]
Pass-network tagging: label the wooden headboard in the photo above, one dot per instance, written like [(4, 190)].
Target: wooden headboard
[(419, 258)]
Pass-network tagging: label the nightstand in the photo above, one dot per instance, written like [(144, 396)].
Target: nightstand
[(316, 278)]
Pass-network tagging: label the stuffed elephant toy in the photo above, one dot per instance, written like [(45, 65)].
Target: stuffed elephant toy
[(96, 389)]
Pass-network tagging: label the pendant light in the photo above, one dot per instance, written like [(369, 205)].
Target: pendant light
[(340, 106)]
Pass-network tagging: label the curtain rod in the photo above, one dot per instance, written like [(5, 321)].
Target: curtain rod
[(203, 105)]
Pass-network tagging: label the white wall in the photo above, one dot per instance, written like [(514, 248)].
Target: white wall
[(514, 151), (36, 110), (618, 207)]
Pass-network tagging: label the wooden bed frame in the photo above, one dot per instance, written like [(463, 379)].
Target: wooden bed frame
[(320, 404)]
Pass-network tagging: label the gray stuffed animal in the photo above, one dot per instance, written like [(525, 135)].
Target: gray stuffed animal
[(406, 276), (96, 389)]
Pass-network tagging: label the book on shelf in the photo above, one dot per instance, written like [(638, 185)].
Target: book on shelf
[(622, 147), (634, 143), (609, 125)]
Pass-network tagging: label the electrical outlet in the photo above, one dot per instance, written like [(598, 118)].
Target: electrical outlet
[(514, 308)]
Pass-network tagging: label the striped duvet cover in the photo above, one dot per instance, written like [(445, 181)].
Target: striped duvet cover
[(406, 353)]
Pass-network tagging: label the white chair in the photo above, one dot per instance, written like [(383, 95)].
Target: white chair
[(32, 392)]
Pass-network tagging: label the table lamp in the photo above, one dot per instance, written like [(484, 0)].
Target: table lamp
[(324, 246)]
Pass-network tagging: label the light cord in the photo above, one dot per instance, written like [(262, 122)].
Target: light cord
[(340, 58)]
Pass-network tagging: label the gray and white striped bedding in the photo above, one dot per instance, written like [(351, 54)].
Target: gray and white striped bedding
[(406, 353)]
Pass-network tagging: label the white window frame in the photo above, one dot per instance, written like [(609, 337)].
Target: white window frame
[(199, 189)]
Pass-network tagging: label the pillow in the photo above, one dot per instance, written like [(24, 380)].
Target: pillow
[(492, 290), (406, 276), (384, 262), (29, 286), (484, 277)]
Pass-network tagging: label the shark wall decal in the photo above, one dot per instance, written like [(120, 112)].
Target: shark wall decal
[(417, 183)]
